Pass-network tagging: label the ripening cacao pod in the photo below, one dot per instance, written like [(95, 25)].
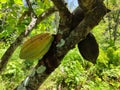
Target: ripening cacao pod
[(36, 47), (89, 48)]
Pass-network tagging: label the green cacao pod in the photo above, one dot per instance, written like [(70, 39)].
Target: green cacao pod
[(36, 47), (89, 48)]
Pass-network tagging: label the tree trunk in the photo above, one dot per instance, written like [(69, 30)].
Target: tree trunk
[(66, 39)]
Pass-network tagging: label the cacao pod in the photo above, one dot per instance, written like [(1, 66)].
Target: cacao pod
[(36, 47), (89, 48)]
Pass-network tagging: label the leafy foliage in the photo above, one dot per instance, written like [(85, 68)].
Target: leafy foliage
[(74, 73)]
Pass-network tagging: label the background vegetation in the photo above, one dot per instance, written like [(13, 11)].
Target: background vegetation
[(74, 72)]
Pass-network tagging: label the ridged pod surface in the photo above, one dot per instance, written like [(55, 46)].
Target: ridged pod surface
[(89, 48), (36, 47)]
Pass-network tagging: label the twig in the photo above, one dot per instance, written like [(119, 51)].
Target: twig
[(22, 16), (30, 9)]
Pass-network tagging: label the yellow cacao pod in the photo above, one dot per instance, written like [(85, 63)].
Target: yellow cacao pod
[(36, 47)]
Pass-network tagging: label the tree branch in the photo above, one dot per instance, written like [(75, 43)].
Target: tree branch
[(30, 9), (90, 20), (59, 49), (22, 16), (63, 11), (34, 22)]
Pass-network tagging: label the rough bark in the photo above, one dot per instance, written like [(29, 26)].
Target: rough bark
[(94, 12), (64, 13)]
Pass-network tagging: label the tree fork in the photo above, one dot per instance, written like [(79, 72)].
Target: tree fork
[(62, 45)]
